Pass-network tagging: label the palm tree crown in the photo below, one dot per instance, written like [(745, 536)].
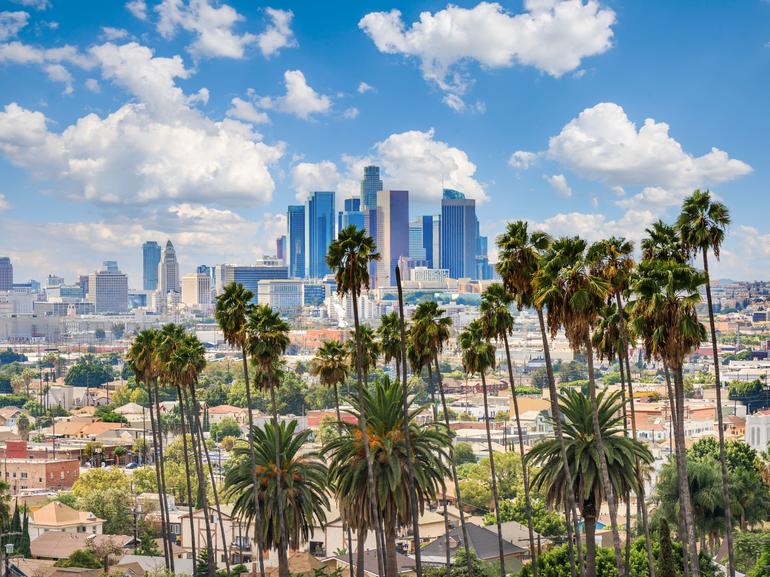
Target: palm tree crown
[(519, 258), (231, 312), (477, 352), (702, 223), (349, 256)]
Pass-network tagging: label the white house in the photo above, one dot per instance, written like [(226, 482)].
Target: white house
[(57, 516), (758, 430)]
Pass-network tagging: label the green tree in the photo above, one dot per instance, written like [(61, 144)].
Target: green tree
[(666, 563), (585, 459), (463, 453), (83, 558), (89, 371), (227, 427)]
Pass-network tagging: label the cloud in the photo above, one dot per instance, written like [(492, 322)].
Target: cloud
[(11, 23), (158, 149), (559, 183), (110, 33), (93, 85), (522, 159), (34, 4), (138, 8), (212, 26), (300, 99), (58, 73), (51, 60), (244, 110), (278, 33), (363, 88), (595, 226), (4, 204), (412, 160), (351, 112), (603, 144), (552, 36)]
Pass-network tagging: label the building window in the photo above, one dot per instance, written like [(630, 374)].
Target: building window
[(61, 475), (24, 474)]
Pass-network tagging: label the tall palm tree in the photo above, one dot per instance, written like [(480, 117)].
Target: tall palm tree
[(497, 320), (662, 243), (702, 225), (349, 256), (268, 339), (348, 465), (478, 357), (303, 478), (331, 366), (389, 332), (519, 261), (618, 452), (231, 313), (663, 315), (144, 364), (574, 297), (612, 259)]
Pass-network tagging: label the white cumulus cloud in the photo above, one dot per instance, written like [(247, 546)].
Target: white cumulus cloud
[(559, 183), (278, 34), (138, 8), (245, 110), (11, 23), (307, 177), (34, 4), (300, 100), (522, 159), (363, 88)]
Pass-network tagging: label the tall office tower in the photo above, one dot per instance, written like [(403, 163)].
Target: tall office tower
[(110, 266), (196, 290), (83, 282), (392, 233), (352, 215), (168, 271), (6, 274), (431, 240), (108, 291), (416, 241), (370, 226), (370, 186), (251, 275), (483, 269), (319, 232), (295, 238), (458, 234), (280, 248), (150, 261)]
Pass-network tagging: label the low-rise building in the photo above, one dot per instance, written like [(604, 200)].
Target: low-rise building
[(57, 516), (23, 473)]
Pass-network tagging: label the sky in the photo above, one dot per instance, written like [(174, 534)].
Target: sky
[(199, 121)]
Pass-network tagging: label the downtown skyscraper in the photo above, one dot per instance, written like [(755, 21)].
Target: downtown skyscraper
[(370, 186), (319, 231), (295, 241), (392, 233), (150, 261), (6, 274), (459, 228), (168, 271)]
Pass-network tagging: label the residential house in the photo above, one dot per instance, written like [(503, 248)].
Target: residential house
[(482, 540), (57, 516), (57, 545), (219, 413), (405, 564)]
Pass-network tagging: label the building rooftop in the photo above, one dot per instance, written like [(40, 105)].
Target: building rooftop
[(57, 514)]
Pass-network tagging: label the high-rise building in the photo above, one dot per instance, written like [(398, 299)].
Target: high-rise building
[(110, 266), (458, 234), (196, 290), (250, 275), (295, 237), (168, 271), (370, 186), (483, 268), (6, 274), (352, 215), (319, 232), (283, 296), (431, 239), (416, 242), (108, 291), (280, 248), (392, 233), (150, 261)]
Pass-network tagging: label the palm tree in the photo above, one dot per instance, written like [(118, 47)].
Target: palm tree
[(478, 357), (663, 315), (268, 339), (370, 350), (144, 364), (331, 366), (619, 454), (574, 297), (662, 243), (231, 313), (348, 466), (349, 257), (702, 225), (519, 260), (497, 320), (303, 479), (612, 259), (389, 332)]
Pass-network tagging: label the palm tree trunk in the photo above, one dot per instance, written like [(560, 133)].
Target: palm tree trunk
[(627, 495), (390, 550), (283, 543), (589, 517), (164, 496), (524, 472), (447, 553), (603, 471), (362, 424), (156, 457), (405, 427), (253, 465), (347, 525), (213, 486), (728, 529), (556, 416), (494, 475), (190, 507), (194, 426), (682, 470), (453, 467), (360, 542)]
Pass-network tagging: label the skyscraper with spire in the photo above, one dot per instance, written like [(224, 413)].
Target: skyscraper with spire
[(168, 271)]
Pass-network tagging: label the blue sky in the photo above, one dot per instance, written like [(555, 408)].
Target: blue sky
[(200, 120)]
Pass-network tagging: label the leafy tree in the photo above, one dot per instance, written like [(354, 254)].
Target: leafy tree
[(539, 378), (89, 371), (83, 558), (762, 566), (666, 564), (555, 563), (118, 330), (24, 539), (327, 430), (227, 427), (100, 335), (216, 395), (546, 522), (464, 454), (459, 567), (106, 492), (476, 493), (8, 356)]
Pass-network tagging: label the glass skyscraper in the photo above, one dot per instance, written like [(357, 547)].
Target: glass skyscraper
[(295, 241), (150, 261), (416, 241), (352, 215), (392, 233), (459, 228), (319, 232), (370, 186), (431, 240)]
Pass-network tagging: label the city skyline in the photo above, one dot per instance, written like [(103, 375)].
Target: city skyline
[(566, 142)]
